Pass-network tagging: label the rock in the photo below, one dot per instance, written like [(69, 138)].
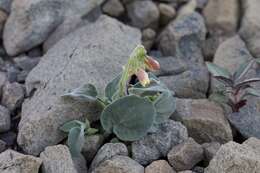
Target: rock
[(113, 8), (205, 120), (158, 144), (2, 146), (210, 149), (3, 79), (187, 171), (57, 159), (143, 14), (35, 52), (187, 81), (198, 169), (5, 119), (13, 95), (148, 37), (201, 4), (6, 5), (185, 155), (9, 138), (80, 164), (91, 146), (222, 16), (183, 38), (106, 152), (167, 13), (119, 164), (234, 158), (159, 166), (254, 143), (90, 53), (3, 17), (14, 162), (12, 73), (26, 63), (250, 26), (32, 21)]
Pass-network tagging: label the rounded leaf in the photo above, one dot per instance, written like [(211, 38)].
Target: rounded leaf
[(129, 117), (76, 141), (71, 124)]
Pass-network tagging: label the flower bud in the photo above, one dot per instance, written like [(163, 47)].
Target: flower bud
[(152, 64), (143, 77)]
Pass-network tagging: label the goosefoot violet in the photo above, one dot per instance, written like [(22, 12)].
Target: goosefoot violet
[(134, 103)]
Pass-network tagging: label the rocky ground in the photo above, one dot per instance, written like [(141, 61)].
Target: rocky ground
[(49, 47)]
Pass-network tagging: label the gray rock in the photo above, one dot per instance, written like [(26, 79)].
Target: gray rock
[(158, 144), (205, 120), (143, 13), (3, 79), (13, 95), (6, 5), (210, 149), (91, 146), (14, 162), (9, 138), (35, 52), (254, 143), (2, 146), (183, 37), (85, 56), (32, 21), (250, 26), (80, 164), (198, 169), (159, 166), (119, 164), (222, 17), (108, 151), (3, 17), (5, 119), (26, 63), (234, 158), (185, 155), (167, 13), (113, 8), (57, 159), (148, 38)]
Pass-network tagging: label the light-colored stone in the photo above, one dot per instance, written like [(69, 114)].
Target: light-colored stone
[(14, 162), (158, 144), (159, 166), (185, 155), (5, 119), (57, 159), (234, 158), (148, 38), (222, 17), (205, 120), (210, 149), (254, 143), (113, 8), (93, 54), (6, 5), (119, 164), (32, 21), (167, 13), (108, 151), (250, 26), (143, 13), (13, 95)]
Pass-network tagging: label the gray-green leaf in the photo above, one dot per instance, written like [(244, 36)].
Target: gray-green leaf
[(85, 93), (112, 87), (252, 92), (218, 71), (71, 124), (76, 141), (242, 70)]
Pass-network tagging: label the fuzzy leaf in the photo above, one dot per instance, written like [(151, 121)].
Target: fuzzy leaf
[(112, 87), (71, 124), (129, 117), (218, 71), (242, 70), (87, 93), (247, 82), (225, 81), (76, 141), (252, 92), (165, 106)]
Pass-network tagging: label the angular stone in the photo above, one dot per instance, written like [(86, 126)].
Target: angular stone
[(250, 26), (57, 159), (119, 164), (108, 151), (158, 144), (185, 155), (94, 52), (91, 146), (143, 13), (183, 37), (222, 17), (14, 162), (205, 120), (32, 21), (5, 119), (234, 158), (159, 166), (13, 95), (113, 8), (210, 149)]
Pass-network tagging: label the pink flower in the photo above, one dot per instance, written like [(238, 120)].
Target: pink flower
[(143, 77), (152, 64)]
